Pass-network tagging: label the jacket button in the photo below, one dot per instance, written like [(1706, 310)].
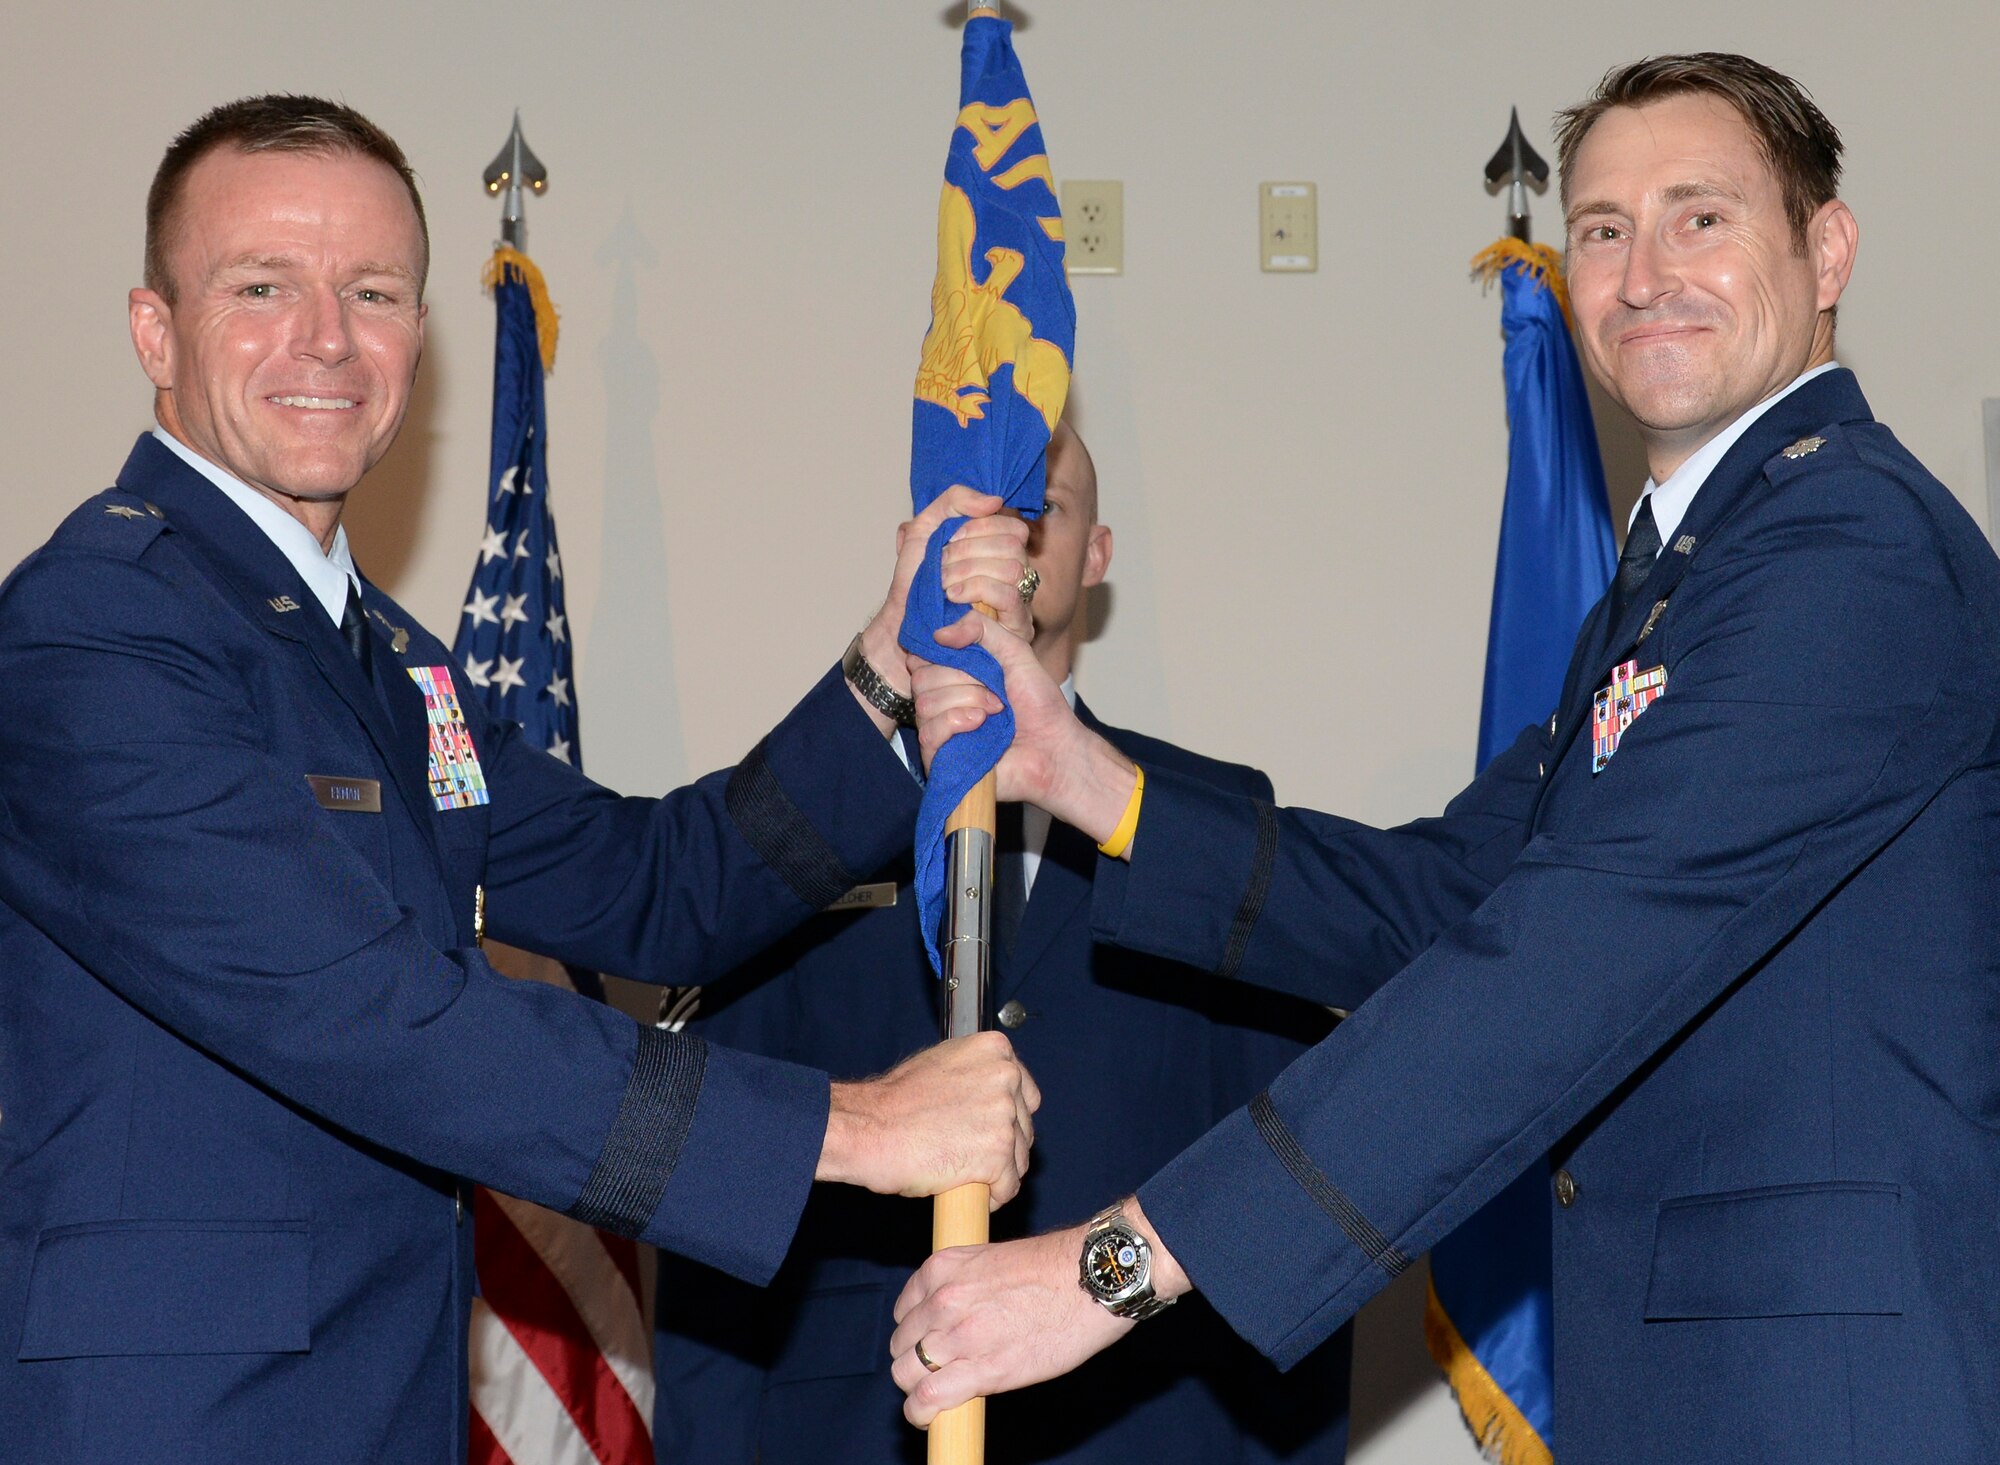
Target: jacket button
[(1565, 1188), (1012, 1015)]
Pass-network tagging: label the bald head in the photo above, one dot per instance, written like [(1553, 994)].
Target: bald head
[(1069, 548), (1070, 462)]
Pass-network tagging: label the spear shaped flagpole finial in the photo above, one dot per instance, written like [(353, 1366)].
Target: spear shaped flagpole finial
[(514, 168), (1514, 167)]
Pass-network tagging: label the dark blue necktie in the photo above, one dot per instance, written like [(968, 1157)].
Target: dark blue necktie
[(1635, 563), (354, 631), (1010, 884)]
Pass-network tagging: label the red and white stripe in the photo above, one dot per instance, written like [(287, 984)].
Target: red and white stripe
[(562, 1370)]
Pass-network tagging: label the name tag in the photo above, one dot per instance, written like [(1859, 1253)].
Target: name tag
[(866, 897), (355, 795)]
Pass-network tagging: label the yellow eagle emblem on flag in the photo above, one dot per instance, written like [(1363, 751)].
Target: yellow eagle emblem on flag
[(975, 330)]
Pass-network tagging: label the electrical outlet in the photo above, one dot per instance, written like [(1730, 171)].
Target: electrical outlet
[(1093, 213), (1288, 222)]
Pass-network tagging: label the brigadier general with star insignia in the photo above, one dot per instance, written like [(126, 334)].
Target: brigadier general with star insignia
[(250, 1052), (1721, 957)]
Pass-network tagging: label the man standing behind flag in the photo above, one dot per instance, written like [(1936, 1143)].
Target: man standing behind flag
[(798, 1376), (251, 1050), (1717, 939)]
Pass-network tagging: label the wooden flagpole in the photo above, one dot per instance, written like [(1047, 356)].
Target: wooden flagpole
[(960, 1216)]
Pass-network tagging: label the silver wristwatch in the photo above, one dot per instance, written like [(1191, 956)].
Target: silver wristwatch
[(1117, 1267), (884, 698)]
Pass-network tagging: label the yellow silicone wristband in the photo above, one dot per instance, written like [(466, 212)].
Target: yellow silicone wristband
[(1128, 822)]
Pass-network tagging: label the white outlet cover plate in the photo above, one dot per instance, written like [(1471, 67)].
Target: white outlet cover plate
[(1093, 212)]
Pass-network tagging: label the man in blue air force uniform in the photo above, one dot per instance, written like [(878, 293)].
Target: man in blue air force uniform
[(1716, 944), (1136, 1057), (249, 1051)]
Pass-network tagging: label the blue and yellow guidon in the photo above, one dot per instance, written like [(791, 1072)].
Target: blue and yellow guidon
[(992, 379), (975, 329), (1002, 319)]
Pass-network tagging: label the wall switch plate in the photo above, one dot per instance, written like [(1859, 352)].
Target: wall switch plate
[(1093, 213), (1288, 227)]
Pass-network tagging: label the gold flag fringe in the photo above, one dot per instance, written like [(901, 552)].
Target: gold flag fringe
[(1503, 1432), (517, 269), (1537, 259)]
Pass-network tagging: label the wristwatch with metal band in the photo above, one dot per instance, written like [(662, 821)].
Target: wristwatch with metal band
[(1117, 1267), (884, 698)]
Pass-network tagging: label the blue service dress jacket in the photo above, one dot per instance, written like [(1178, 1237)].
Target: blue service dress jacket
[(1135, 1057), (249, 1054), (1740, 985)]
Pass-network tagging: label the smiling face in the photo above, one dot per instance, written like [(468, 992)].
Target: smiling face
[(1693, 299), (292, 341)]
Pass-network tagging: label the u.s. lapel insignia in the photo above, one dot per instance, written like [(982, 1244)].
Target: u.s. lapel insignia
[(1684, 545), (1617, 706), (1805, 446), (124, 511), (1652, 619), (457, 780), (399, 636), (282, 603)]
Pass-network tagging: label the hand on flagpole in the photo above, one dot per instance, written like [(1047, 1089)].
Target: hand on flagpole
[(983, 563), (960, 1113), (1001, 1317), (1055, 762)]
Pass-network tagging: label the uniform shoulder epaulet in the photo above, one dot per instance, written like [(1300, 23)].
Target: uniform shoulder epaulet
[(116, 521)]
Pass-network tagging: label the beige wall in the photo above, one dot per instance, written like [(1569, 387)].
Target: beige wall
[(738, 234)]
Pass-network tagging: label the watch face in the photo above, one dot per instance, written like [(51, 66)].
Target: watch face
[(1116, 1264)]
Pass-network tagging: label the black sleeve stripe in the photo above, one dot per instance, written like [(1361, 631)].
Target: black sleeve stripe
[(645, 1142), (1301, 1168), (1254, 893), (783, 837)]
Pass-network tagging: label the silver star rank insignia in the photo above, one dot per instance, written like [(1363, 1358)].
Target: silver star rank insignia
[(124, 511), (1805, 446)]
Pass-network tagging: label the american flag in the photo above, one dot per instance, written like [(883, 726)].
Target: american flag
[(513, 633), (561, 1358)]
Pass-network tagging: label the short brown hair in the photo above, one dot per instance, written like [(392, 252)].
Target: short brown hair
[(1802, 147), (279, 123)]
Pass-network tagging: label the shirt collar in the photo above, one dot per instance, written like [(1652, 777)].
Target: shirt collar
[(1672, 498), (327, 574)]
